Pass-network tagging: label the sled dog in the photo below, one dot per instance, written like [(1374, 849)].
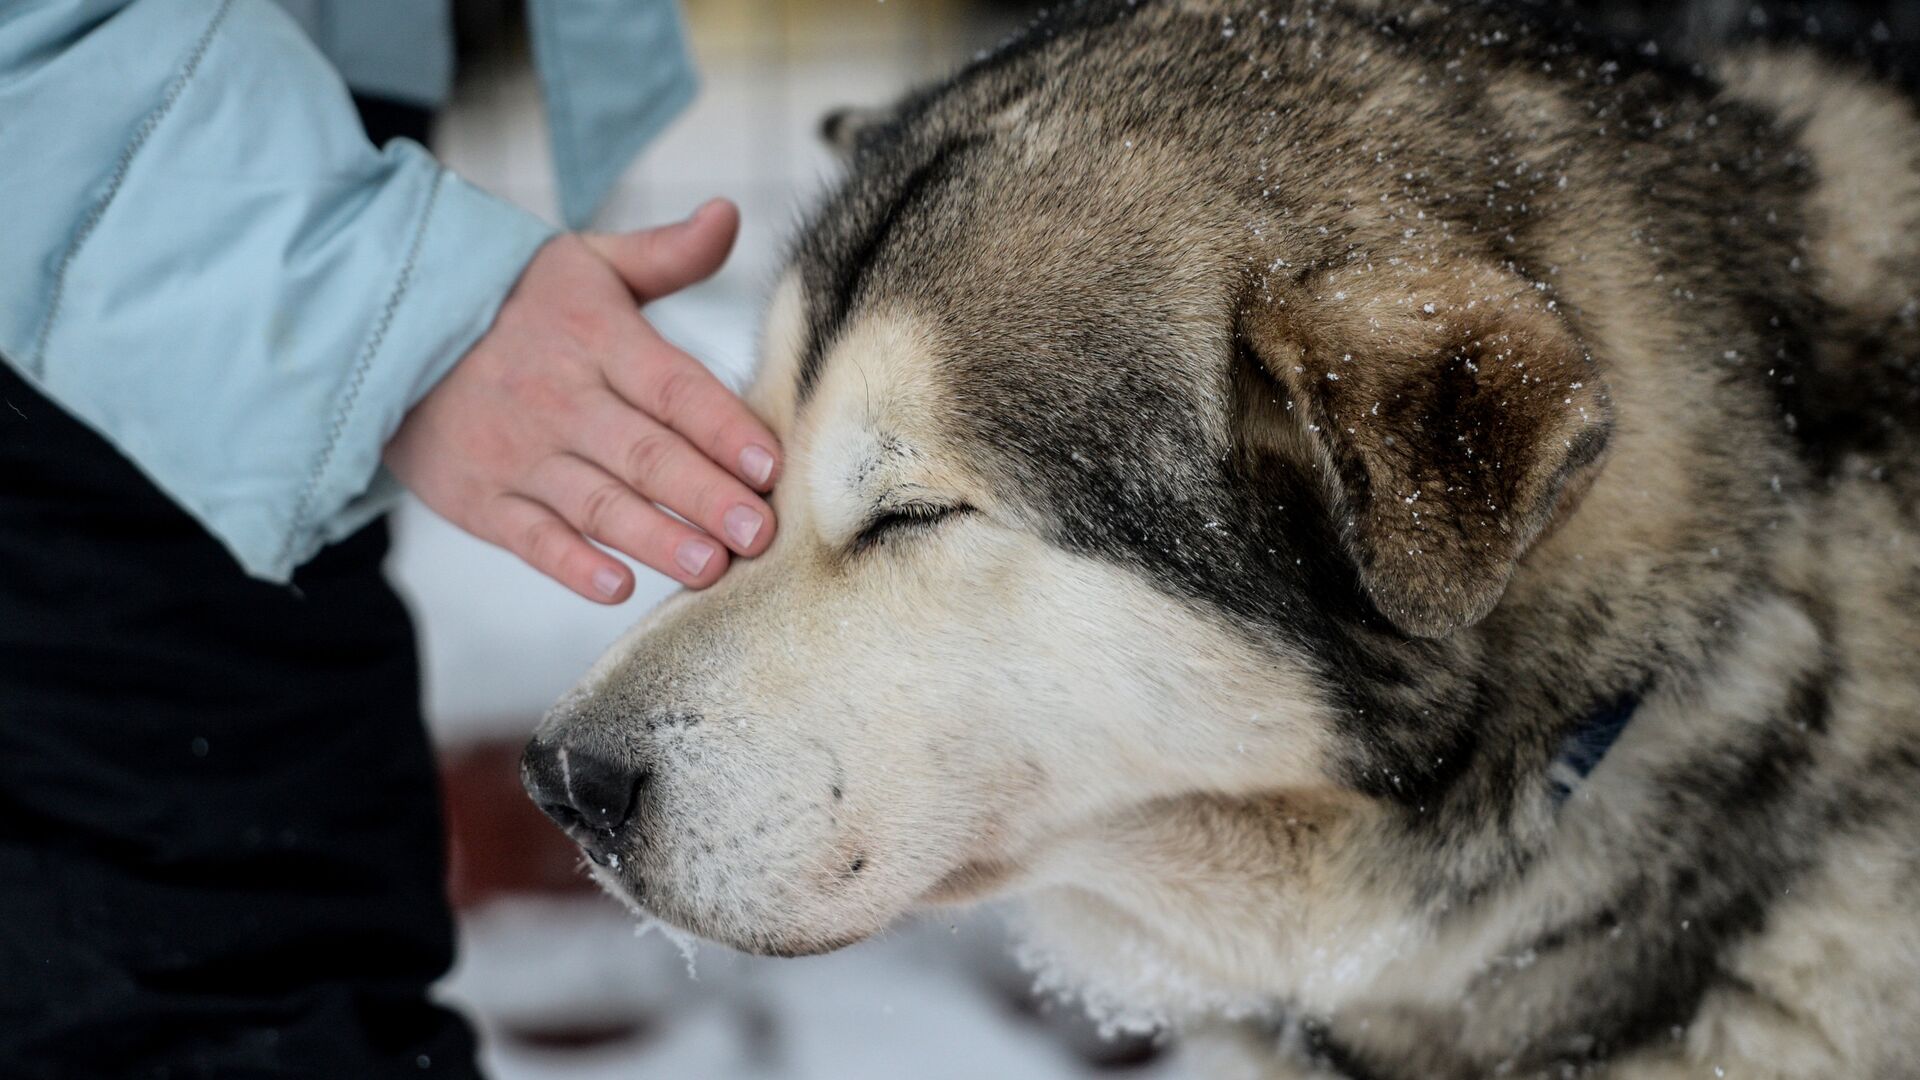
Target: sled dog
[(1391, 532)]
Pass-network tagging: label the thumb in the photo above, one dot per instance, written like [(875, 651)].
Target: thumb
[(655, 262)]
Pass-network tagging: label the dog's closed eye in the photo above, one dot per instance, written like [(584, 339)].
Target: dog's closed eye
[(903, 517)]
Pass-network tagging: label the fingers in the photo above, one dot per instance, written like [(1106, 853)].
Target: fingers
[(662, 466), (571, 497), (603, 507), (666, 383), (655, 262), (548, 544), (679, 391)]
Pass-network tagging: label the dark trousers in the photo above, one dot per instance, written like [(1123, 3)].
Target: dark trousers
[(220, 840)]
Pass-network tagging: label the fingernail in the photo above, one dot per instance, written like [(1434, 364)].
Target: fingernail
[(693, 556), (756, 464), (743, 524), (607, 581)]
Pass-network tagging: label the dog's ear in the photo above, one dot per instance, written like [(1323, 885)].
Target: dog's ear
[(1453, 415), (844, 128)]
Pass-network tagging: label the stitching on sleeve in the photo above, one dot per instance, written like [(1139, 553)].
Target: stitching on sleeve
[(37, 364), (350, 396)]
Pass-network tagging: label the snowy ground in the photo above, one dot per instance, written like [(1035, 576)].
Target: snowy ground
[(931, 1001), (562, 988)]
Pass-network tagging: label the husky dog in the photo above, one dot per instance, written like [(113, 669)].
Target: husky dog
[(1396, 526)]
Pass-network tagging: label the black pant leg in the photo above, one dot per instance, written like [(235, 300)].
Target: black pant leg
[(220, 839)]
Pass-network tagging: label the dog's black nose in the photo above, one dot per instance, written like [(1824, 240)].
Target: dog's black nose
[(578, 789)]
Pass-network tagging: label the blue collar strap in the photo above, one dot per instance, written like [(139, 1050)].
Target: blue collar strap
[(1582, 750)]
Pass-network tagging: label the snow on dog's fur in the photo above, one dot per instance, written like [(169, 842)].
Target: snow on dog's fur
[(1230, 449)]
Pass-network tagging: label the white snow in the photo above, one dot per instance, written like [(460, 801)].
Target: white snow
[(927, 1002)]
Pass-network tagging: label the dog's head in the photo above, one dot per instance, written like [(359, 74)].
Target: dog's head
[(1108, 481)]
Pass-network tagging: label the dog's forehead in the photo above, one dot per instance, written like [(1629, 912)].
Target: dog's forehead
[(1060, 334), (1015, 395), (772, 393), (1044, 344), (878, 420), (875, 425), (1021, 247)]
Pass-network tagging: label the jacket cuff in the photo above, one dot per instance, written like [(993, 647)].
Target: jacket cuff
[(467, 253)]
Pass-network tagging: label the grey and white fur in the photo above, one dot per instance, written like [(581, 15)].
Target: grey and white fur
[(1231, 448)]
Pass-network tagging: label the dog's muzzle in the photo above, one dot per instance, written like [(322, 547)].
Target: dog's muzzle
[(589, 796)]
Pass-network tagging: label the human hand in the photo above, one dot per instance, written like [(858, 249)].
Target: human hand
[(572, 418)]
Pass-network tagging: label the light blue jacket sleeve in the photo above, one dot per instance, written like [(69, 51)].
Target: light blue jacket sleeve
[(203, 257), (613, 73)]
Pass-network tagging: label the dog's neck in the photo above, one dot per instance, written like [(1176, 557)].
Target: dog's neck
[(1264, 907), (1283, 883)]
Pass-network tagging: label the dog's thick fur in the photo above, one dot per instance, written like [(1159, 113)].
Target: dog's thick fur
[(1233, 446)]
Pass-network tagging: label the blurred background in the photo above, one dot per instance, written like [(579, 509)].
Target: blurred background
[(554, 973)]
